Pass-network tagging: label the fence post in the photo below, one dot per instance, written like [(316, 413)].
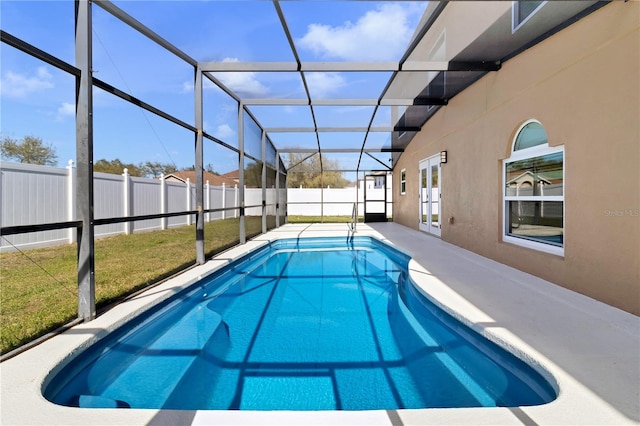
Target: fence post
[(188, 201), (127, 199), (71, 201), (264, 181), (224, 198), (163, 201), (235, 203), (207, 217), (277, 196)]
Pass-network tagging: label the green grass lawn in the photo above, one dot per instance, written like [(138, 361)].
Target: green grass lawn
[(38, 288), (34, 302)]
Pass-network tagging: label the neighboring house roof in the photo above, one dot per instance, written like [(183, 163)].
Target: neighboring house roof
[(213, 179), (234, 175), (527, 176)]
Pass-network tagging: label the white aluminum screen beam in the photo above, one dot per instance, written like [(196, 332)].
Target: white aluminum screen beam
[(336, 150), (367, 169), (328, 129), (324, 66), (232, 66), (348, 66), (327, 102), (425, 66)]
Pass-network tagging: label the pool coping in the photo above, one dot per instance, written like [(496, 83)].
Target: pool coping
[(525, 314)]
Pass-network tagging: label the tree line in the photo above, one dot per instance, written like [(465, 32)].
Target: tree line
[(33, 150), (304, 171)]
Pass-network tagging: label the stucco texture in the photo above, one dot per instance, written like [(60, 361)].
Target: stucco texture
[(583, 85)]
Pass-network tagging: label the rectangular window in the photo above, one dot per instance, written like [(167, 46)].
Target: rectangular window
[(534, 201), (523, 10), (403, 181)]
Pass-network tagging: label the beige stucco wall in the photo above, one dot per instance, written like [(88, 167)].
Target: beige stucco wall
[(583, 85)]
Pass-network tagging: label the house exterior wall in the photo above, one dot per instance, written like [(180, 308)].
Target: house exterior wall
[(583, 85)]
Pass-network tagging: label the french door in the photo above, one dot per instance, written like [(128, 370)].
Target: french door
[(430, 217)]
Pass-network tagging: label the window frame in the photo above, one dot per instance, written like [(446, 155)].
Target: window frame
[(403, 181), (515, 10), (523, 154)]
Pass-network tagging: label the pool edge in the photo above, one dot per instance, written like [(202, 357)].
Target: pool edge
[(24, 375)]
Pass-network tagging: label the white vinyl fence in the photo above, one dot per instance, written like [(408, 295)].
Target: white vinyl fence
[(32, 195), (335, 201)]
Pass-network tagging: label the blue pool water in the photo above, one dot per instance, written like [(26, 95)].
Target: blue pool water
[(300, 324)]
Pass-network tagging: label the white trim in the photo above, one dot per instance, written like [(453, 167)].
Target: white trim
[(534, 198), (534, 151), (515, 139), (403, 181), (428, 164), (534, 245)]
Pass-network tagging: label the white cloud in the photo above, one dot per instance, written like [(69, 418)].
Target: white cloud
[(15, 85), (224, 131), (244, 84), (380, 35), (322, 84), (187, 86), (66, 110)]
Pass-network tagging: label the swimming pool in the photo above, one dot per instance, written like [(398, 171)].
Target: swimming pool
[(299, 324)]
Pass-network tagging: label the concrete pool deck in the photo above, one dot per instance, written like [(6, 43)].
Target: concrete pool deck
[(589, 349)]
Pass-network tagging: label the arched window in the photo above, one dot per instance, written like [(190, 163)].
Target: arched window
[(534, 191), (531, 134)]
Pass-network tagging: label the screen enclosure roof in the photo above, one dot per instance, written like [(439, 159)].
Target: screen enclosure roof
[(353, 81)]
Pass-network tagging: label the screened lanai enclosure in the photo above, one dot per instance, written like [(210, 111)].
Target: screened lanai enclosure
[(255, 96)]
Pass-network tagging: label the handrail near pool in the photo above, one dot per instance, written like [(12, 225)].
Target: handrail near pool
[(354, 217)]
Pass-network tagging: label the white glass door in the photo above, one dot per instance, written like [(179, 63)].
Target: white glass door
[(430, 195)]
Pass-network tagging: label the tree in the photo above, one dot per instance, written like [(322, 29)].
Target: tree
[(116, 167), (155, 168), (253, 175), (207, 168), (151, 169), (308, 173), (30, 149)]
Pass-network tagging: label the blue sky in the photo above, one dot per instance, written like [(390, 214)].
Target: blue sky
[(38, 100)]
